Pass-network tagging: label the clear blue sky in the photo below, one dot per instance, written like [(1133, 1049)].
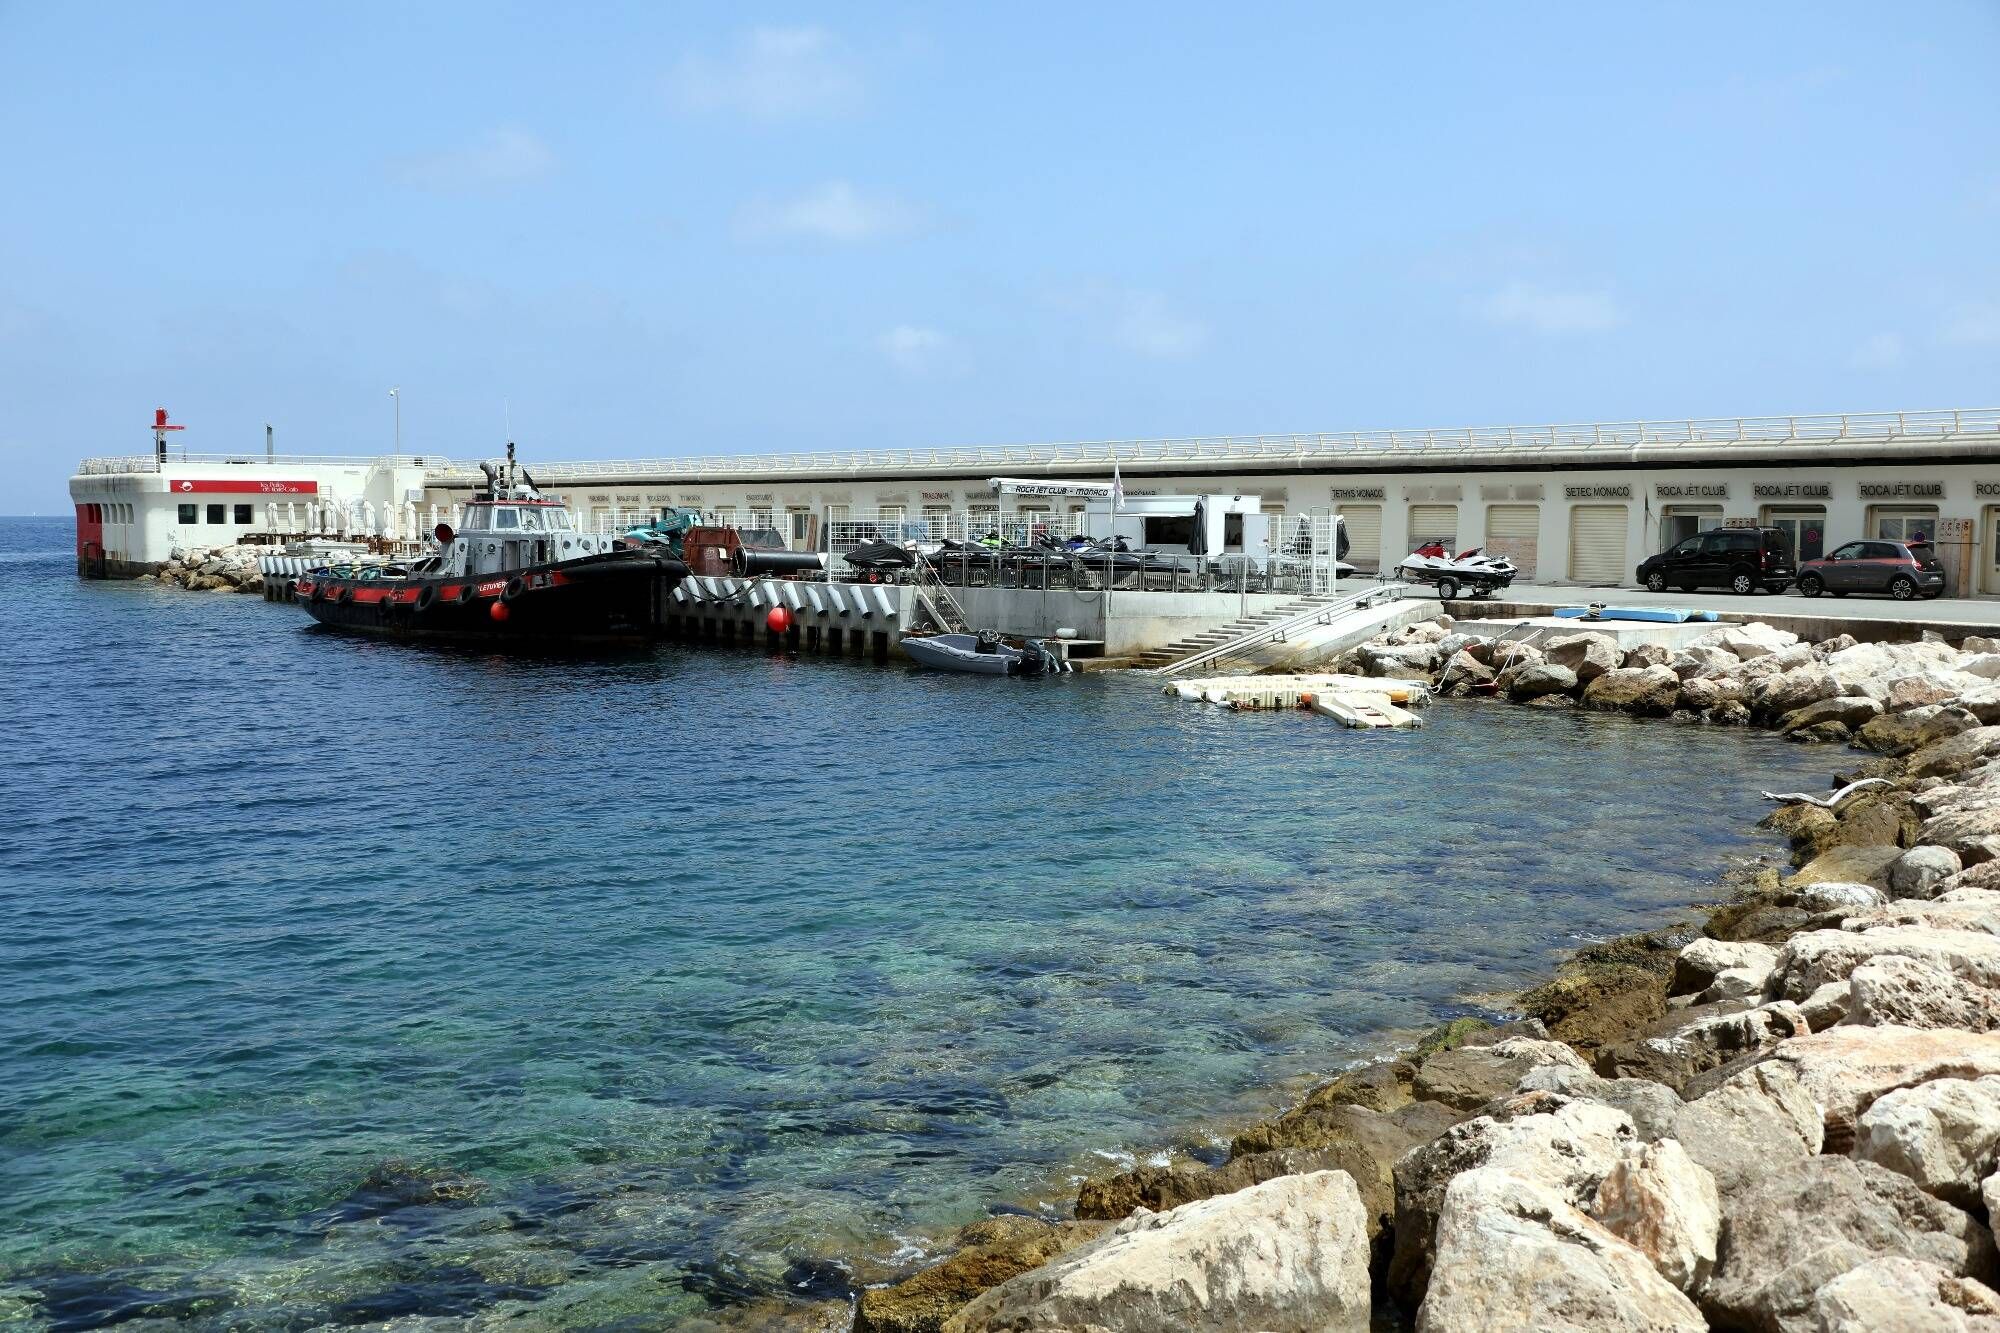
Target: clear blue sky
[(689, 228)]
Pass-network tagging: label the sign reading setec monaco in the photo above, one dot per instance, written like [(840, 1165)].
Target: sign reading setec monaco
[(241, 486)]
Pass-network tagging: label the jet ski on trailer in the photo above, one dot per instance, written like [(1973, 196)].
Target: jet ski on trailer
[(1434, 564)]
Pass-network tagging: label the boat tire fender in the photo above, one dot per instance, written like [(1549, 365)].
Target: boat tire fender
[(345, 595), (427, 597), (515, 587)]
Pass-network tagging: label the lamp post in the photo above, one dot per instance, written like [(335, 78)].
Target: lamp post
[(397, 395)]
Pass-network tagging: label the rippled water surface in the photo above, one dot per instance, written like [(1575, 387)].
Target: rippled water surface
[(341, 982)]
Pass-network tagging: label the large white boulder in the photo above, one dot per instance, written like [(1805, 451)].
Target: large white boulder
[(1702, 960), (1664, 1204), (1846, 1068), (1909, 1294), (1810, 960), (1868, 662), (1804, 1224), (1759, 1119), (1289, 1254), (1943, 1135), (1516, 1256), (1747, 641), (1921, 869), (1588, 656), (1909, 993), (1552, 1140)]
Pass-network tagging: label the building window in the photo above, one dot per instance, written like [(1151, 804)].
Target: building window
[(243, 514), (1904, 525), (215, 513), (190, 514), (760, 517)]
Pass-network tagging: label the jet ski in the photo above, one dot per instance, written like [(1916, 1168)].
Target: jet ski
[(1433, 563), (879, 561)]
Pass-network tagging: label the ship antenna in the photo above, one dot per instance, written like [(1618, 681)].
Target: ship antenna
[(510, 465)]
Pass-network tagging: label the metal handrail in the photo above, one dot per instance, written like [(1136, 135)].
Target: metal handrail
[(1317, 614), (151, 463), (1587, 437), (1347, 446)]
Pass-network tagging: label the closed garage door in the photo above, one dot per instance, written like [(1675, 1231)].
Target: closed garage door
[(1364, 536), (1434, 523), (1597, 545), (1512, 531)]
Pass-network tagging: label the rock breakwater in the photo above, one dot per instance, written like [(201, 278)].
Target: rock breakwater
[(1784, 1116), (212, 568)]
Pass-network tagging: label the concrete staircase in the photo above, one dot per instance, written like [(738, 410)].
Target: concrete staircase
[(1221, 634)]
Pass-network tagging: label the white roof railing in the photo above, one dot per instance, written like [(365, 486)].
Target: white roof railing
[(1346, 447), (151, 463)]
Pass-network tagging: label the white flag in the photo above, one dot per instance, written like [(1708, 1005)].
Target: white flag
[(1117, 489)]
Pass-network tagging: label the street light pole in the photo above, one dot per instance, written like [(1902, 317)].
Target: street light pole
[(397, 394)]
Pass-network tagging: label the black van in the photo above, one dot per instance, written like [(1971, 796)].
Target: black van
[(1739, 559)]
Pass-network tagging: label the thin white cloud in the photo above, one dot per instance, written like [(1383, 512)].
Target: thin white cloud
[(836, 211), (1974, 324), (773, 74), (1531, 305), (1147, 324), (1878, 351), (920, 352), (500, 159)]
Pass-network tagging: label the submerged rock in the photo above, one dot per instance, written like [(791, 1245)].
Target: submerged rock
[(923, 1303)]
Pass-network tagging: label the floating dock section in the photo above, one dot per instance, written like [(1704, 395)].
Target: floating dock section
[(1357, 701)]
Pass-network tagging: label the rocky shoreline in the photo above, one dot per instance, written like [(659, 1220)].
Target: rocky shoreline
[(1783, 1117), (211, 569)]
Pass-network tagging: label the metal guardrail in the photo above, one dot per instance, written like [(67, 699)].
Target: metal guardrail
[(1321, 614), (1344, 446), (1589, 437), (150, 463)]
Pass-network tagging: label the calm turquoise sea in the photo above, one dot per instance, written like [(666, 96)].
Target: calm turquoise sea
[(342, 982)]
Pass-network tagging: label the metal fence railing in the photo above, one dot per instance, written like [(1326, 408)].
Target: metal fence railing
[(1584, 437)]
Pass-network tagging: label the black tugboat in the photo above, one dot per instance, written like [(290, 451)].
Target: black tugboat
[(519, 571)]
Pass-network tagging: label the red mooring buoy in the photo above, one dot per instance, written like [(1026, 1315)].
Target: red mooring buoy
[(498, 610), (778, 620)]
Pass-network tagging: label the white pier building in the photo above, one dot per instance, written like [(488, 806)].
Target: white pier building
[(1570, 504)]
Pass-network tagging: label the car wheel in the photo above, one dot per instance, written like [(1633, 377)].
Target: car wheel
[(1741, 583), (1656, 582), (1447, 589), (1902, 587), (1811, 586)]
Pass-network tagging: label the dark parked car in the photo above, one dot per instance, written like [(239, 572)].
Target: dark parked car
[(1739, 559), (1901, 569)]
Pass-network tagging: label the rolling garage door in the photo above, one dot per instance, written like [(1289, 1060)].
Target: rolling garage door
[(1597, 545), (1364, 536), (1512, 531), (1430, 523)]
